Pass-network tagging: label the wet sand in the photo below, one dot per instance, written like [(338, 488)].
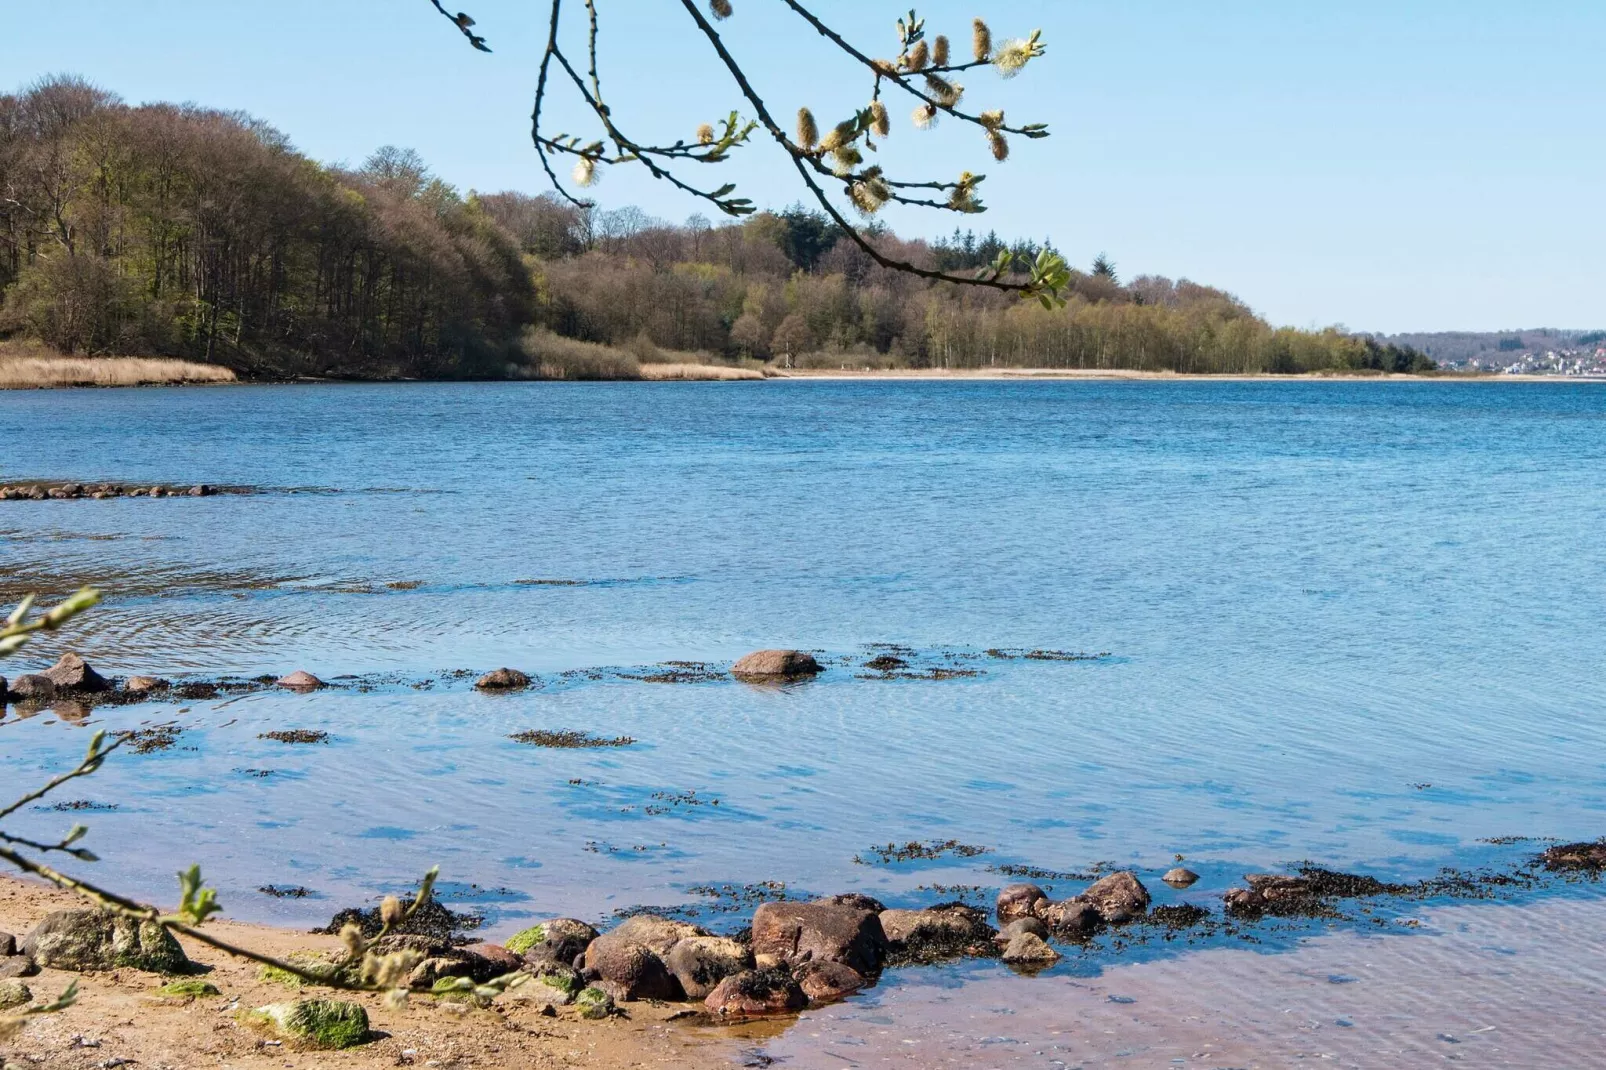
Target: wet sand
[(1482, 985)]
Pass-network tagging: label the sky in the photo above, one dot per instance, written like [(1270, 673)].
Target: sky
[(1385, 165)]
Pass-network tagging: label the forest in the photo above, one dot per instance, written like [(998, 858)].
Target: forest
[(179, 231)]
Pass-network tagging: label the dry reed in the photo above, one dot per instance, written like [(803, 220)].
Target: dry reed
[(24, 373)]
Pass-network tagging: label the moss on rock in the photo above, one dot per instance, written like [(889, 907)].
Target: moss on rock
[(593, 1003), (14, 994), (189, 989), (329, 1024), (520, 943)]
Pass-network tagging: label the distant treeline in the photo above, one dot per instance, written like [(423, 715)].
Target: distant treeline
[(180, 231)]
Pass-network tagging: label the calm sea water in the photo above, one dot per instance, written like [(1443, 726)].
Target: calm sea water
[(1353, 622)]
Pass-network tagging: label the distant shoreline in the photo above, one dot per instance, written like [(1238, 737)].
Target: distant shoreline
[(1118, 374)]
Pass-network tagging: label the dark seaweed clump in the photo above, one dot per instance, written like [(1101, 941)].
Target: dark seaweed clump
[(1575, 856), (1178, 917), (78, 804), (1032, 873), (278, 892), (886, 663), (431, 920), (148, 740), (569, 740), (296, 735), (913, 851)]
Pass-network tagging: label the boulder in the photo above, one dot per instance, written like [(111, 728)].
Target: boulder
[(1118, 898), (1073, 918), (503, 680), (14, 966), (795, 933), (756, 994), (828, 982), (143, 685), (329, 1024), (72, 674), (490, 961), (593, 1003), (656, 934), (776, 665), (1018, 926), (557, 982), (200, 490), (637, 970), (32, 688), (14, 994), (1030, 950), (560, 940), (1019, 901), (1181, 878), (700, 963), (924, 936), (8, 945), (300, 680), (84, 940)]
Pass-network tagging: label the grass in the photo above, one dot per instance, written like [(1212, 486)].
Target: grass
[(551, 356), (702, 372), (31, 367)]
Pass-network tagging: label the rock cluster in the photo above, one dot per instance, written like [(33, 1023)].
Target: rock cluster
[(39, 492)]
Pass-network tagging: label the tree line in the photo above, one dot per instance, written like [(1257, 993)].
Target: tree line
[(189, 232)]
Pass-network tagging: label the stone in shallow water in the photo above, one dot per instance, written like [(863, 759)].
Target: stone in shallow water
[(756, 994), (1119, 898), (503, 680), (72, 673), (300, 680), (793, 933), (827, 982), (1181, 878), (1029, 949), (33, 687), (1019, 901), (776, 665), (700, 963), (1073, 917)]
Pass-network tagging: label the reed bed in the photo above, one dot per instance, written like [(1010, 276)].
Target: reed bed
[(26, 373)]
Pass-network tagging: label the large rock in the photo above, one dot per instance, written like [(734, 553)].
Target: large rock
[(756, 994), (83, 940), (490, 961), (300, 680), (795, 933), (828, 982), (924, 936), (700, 963), (654, 933), (1073, 918), (503, 680), (72, 674), (1019, 901), (637, 970), (317, 1023), (776, 665), (1118, 898), (558, 940), (33, 687)]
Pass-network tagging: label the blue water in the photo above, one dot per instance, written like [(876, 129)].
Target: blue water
[(1354, 622)]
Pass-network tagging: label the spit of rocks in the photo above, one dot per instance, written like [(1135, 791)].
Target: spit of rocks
[(39, 492)]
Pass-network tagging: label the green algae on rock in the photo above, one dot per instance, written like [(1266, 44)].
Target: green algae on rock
[(84, 940), (328, 1024), (189, 989)]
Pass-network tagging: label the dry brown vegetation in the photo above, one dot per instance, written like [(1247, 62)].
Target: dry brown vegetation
[(28, 367)]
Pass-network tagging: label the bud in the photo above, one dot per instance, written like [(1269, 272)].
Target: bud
[(982, 41), (808, 132)]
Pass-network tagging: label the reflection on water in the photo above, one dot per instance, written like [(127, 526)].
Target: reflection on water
[(1349, 622)]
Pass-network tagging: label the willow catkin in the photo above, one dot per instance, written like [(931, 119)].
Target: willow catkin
[(705, 135), (946, 93), (880, 121), (1012, 56), (918, 57), (939, 51), (1000, 145), (585, 171), (720, 8), (925, 116), (808, 132), (981, 40)]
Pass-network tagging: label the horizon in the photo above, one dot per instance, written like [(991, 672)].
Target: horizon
[(1259, 205)]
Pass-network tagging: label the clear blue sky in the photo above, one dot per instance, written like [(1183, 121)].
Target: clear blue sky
[(1385, 164)]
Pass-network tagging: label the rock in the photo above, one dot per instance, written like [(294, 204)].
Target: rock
[(655, 934), (14, 994), (776, 665), (828, 982), (1119, 898), (559, 940), (638, 970), (329, 1024), (503, 680), (1019, 901), (1029, 949), (794, 933), (200, 490), (756, 994), (433, 969), (191, 988), (700, 963), (144, 685), (82, 940), (1073, 918), (1018, 926), (561, 983), (593, 1003), (490, 961), (1575, 856), (72, 673), (926, 936), (8, 945), (1181, 878), (856, 900), (300, 680), (33, 688), (17, 966)]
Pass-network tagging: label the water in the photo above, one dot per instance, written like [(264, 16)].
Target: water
[(1353, 622)]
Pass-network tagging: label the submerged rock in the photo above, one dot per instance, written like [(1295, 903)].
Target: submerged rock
[(72, 674), (503, 680), (1118, 898), (935, 934), (33, 687), (1030, 950), (85, 940), (1019, 901), (700, 963), (776, 665), (828, 982), (329, 1024), (756, 994), (300, 680), (794, 933), (1181, 878), (1018, 926), (144, 685)]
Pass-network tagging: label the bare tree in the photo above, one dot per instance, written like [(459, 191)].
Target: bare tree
[(832, 159)]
